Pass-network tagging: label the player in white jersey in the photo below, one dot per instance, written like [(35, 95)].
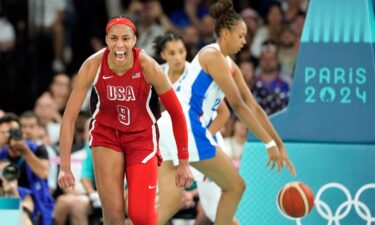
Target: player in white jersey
[(172, 49), (207, 82)]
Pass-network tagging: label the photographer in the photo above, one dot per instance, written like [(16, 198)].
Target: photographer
[(32, 131), (9, 188), (32, 163)]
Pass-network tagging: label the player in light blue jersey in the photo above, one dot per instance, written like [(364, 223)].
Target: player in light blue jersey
[(211, 76)]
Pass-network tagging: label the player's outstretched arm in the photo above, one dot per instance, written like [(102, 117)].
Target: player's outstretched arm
[(261, 115), (217, 66)]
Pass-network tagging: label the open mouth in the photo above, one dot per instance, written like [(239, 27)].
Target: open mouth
[(121, 55)]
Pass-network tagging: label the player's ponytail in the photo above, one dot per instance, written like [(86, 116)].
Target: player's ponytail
[(224, 14)]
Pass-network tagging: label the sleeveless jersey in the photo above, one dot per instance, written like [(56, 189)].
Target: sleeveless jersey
[(126, 103), (200, 95), (176, 85)]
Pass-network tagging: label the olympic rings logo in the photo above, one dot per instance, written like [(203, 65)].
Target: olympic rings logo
[(333, 218)]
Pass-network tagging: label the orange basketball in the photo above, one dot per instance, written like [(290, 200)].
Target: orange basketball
[(295, 199)]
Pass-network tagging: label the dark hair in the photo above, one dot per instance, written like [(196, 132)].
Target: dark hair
[(224, 14), (161, 41), (28, 114), (269, 45), (9, 117), (274, 5)]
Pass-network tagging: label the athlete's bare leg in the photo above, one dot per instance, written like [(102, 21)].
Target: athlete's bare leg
[(169, 195), (81, 210), (221, 170), (109, 174), (63, 208)]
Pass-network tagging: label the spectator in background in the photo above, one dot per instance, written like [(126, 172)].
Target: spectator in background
[(53, 158), (251, 19), (9, 188), (60, 89), (31, 131), (7, 35), (244, 55), (247, 69), (46, 31), (80, 136), (234, 145), (87, 24), (190, 14), (149, 29), (7, 53), (270, 31), (287, 56), (1, 113), (268, 72), (207, 30), (133, 10), (271, 90), (85, 108), (292, 9), (297, 26), (33, 164), (191, 40), (49, 116)]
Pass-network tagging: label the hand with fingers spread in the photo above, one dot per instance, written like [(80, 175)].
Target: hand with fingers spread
[(66, 179), (184, 176), (275, 157)]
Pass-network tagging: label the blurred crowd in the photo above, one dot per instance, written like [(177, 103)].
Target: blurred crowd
[(43, 43)]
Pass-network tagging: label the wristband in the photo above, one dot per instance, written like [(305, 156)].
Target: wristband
[(270, 144)]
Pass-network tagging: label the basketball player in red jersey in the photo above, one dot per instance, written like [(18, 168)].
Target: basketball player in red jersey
[(123, 131)]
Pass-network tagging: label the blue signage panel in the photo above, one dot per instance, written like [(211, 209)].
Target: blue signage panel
[(333, 95)]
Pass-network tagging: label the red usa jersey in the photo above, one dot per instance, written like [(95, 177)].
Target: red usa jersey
[(127, 102)]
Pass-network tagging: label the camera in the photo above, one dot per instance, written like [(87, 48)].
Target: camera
[(15, 134), (9, 173)]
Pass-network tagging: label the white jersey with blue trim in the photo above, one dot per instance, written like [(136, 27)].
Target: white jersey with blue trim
[(176, 84), (200, 94)]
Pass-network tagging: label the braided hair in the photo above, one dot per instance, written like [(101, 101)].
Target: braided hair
[(224, 14)]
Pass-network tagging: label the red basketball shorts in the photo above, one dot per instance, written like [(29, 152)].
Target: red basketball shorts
[(138, 147)]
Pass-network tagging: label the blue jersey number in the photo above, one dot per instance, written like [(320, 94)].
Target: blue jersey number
[(216, 104)]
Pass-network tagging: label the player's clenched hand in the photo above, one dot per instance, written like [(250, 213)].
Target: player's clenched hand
[(274, 157), (184, 176), (66, 179)]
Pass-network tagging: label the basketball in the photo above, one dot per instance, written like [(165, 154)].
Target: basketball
[(295, 199)]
